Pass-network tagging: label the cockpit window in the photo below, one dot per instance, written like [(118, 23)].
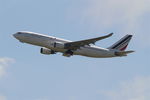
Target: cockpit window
[(19, 33)]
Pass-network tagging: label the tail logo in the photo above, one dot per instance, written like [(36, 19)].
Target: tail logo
[(122, 43)]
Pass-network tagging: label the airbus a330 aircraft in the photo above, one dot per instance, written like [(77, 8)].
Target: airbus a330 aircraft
[(52, 45)]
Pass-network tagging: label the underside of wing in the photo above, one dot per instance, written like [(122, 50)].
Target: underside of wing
[(77, 44)]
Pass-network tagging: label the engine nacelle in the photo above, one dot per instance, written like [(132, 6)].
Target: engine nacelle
[(47, 51), (58, 45)]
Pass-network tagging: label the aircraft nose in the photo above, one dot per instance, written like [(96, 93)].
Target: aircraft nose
[(15, 35)]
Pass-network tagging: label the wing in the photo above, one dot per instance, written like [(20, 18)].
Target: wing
[(77, 44)]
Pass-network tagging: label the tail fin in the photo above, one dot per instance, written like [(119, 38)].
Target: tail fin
[(122, 43)]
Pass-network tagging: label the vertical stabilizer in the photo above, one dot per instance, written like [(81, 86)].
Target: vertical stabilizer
[(122, 43)]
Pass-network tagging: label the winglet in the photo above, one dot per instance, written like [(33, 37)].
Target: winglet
[(110, 34), (106, 36)]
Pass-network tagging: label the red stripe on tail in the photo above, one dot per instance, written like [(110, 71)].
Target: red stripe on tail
[(122, 49)]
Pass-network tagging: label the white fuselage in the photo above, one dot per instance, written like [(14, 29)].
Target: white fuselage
[(48, 41)]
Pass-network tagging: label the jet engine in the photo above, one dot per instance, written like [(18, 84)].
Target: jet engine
[(47, 51)]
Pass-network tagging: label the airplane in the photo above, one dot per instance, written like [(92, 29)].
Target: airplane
[(52, 45)]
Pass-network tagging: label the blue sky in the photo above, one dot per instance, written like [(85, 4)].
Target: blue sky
[(25, 74)]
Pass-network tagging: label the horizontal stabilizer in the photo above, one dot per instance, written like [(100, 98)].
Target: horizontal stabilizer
[(123, 53)]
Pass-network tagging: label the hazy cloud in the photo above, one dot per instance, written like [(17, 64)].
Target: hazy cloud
[(4, 63), (110, 12), (136, 89), (43, 98), (125, 16), (2, 97)]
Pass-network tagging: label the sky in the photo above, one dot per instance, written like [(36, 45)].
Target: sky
[(25, 74)]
